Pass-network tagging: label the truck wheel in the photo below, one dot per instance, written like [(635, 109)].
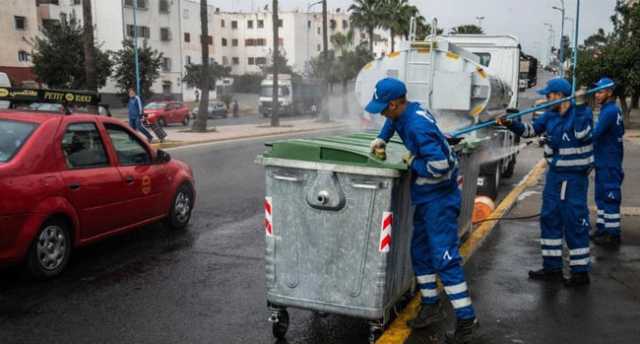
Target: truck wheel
[(181, 207), (508, 173), (490, 182), (50, 250), (281, 327)]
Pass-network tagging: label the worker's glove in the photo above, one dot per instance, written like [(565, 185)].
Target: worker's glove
[(408, 159), (505, 122), (581, 96), (378, 148), (454, 140)]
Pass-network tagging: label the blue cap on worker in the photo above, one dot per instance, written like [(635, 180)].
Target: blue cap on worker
[(604, 82), (387, 89), (557, 85)]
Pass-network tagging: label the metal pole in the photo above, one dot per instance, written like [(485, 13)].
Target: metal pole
[(562, 11), (575, 46), (325, 57), (135, 46)]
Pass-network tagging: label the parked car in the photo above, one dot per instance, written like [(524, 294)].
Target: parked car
[(68, 181), (165, 113), (215, 109)]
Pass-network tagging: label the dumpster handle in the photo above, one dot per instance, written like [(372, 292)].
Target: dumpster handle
[(365, 186), (286, 178)]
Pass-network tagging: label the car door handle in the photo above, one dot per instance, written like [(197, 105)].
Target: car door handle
[(74, 186), (129, 179)]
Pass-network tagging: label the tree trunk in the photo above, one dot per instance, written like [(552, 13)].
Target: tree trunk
[(200, 124), (345, 98), (325, 57), (626, 111), (275, 105), (370, 40), (635, 99), (89, 47), (393, 40)]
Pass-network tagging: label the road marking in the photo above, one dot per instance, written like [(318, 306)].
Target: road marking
[(399, 331)]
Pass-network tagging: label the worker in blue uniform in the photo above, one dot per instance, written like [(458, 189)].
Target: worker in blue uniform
[(569, 154), (435, 194), (608, 155)]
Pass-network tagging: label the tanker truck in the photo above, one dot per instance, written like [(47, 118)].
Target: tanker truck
[(462, 80), (296, 96)]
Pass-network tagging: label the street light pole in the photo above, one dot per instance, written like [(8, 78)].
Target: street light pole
[(325, 57), (135, 46), (562, 11), (575, 47)]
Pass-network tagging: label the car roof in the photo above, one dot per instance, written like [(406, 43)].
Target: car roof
[(43, 116)]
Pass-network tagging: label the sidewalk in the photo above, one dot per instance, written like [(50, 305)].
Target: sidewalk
[(184, 136)]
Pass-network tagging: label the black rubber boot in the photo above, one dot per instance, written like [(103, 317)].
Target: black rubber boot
[(465, 329), (428, 314), (577, 279), (545, 275), (607, 240)]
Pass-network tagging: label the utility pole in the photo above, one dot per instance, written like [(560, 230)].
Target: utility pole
[(575, 47), (562, 10), (275, 105), (89, 48), (325, 60), (135, 46)]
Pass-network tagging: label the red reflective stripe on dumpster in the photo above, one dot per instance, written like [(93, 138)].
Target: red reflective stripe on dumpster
[(385, 233), (268, 227)]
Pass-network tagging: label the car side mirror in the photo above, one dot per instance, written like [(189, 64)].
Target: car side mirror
[(162, 157)]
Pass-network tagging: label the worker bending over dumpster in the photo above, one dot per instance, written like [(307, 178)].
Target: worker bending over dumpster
[(435, 194), (569, 154)]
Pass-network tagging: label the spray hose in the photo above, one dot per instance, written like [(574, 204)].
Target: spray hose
[(492, 122), (527, 217)]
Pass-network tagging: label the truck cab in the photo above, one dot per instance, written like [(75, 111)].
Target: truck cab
[(285, 99)]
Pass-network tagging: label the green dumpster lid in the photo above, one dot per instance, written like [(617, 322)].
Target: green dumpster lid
[(352, 149)]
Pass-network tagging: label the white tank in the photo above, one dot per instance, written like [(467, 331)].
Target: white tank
[(446, 79)]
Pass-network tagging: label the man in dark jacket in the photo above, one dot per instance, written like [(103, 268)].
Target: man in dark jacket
[(135, 114)]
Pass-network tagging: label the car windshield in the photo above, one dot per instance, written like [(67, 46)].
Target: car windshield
[(267, 91), (153, 106), (13, 135)]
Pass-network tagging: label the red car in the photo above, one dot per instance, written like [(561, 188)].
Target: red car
[(166, 113), (68, 181)]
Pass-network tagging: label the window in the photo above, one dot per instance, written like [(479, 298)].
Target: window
[(221, 22), (49, 23), (166, 89), (83, 147), (225, 61), (261, 60), (234, 24), (234, 42), (249, 42), (251, 61), (332, 24), (187, 37), (164, 6), (129, 149), (185, 13), (319, 31), (235, 60), (485, 58), (23, 56), (209, 39), (249, 24), (142, 4), (280, 23), (20, 22), (318, 48), (76, 2), (212, 60), (12, 136), (165, 34), (224, 42), (261, 42), (166, 64), (260, 24), (345, 24), (308, 24), (188, 58), (142, 31)]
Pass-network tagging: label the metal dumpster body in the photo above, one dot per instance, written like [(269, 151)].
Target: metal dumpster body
[(338, 226)]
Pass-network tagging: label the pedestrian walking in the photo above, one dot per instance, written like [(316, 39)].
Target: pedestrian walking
[(435, 194), (235, 108), (197, 93), (608, 155), (135, 114), (569, 154)]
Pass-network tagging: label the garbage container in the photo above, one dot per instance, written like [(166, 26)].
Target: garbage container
[(338, 228)]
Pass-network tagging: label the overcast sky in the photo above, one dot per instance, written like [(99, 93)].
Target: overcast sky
[(522, 18)]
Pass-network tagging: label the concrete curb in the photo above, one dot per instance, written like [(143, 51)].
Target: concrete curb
[(398, 331)]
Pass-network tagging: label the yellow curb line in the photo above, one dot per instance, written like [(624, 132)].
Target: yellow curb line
[(399, 331), (176, 144)]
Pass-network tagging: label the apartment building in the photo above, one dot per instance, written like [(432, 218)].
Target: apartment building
[(18, 27)]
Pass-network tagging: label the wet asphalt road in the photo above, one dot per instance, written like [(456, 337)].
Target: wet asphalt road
[(202, 285)]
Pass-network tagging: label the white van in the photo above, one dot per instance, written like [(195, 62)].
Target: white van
[(4, 82)]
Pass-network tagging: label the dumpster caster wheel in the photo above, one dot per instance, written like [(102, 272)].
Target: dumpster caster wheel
[(375, 331), (280, 323)]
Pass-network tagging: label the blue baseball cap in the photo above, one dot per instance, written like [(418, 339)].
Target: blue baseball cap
[(387, 89), (603, 82), (557, 85)]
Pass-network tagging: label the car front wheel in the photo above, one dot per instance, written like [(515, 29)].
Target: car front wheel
[(181, 207), (50, 251), (185, 121)]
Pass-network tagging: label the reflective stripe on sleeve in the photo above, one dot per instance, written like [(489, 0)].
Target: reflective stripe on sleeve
[(552, 253), (582, 134), (461, 303), (439, 164), (575, 162), (577, 150), (456, 289), (579, 251), (583, 261), (612, 224), (426, 279), (551, 242), (429, 292), (612, 216)]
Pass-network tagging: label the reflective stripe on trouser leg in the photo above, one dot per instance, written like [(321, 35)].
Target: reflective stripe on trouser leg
[(575, 217), (442, 227), (421, 261), (551, 223)]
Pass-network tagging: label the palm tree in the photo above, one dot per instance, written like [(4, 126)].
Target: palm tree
[(200, 124), (397, 18), (366, 14), (89, 47), (466, 29)]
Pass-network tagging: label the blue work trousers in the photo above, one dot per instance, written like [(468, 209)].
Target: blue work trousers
[(608, 195), (136, 124)]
